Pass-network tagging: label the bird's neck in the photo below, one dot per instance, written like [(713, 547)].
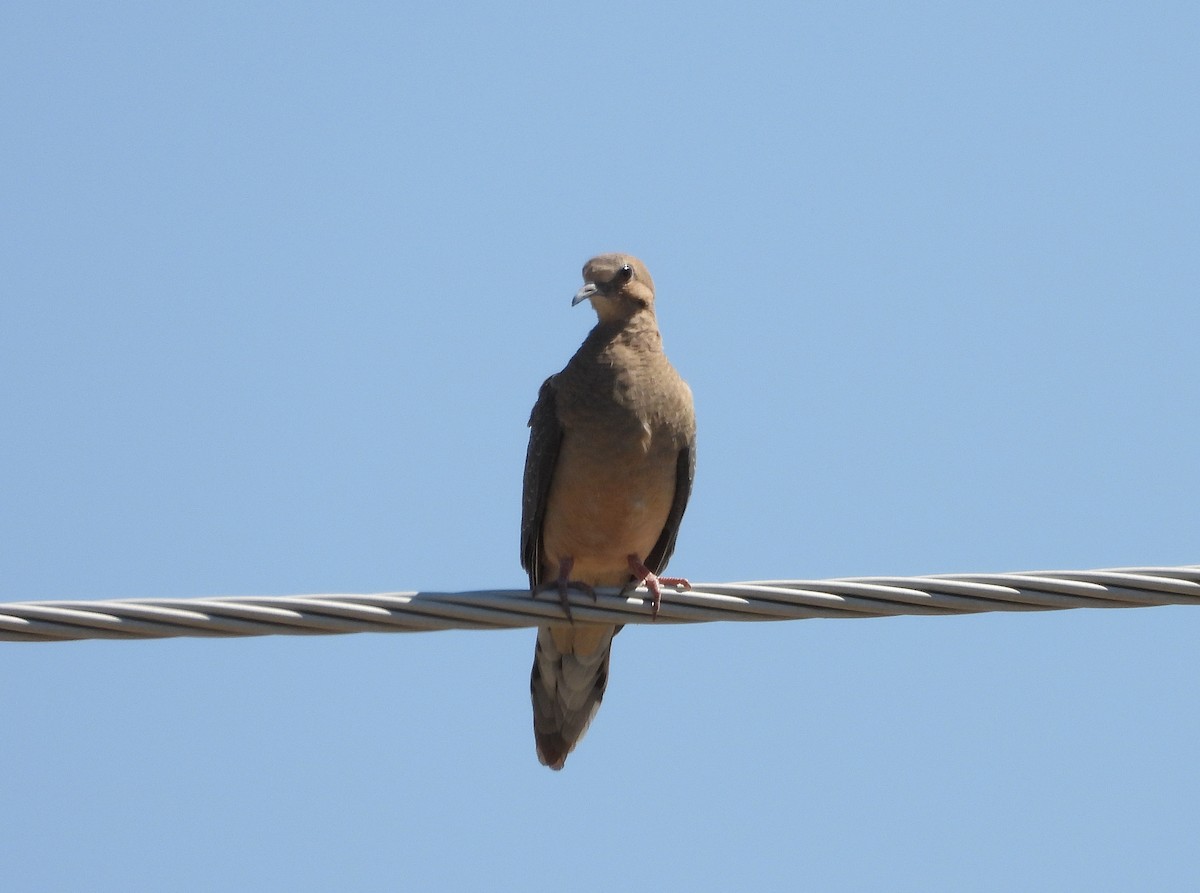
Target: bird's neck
[(639, 330)]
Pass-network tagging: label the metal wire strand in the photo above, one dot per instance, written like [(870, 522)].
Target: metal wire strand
[(144, 618)]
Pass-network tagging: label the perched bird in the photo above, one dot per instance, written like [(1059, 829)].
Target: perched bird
[(607, 477)]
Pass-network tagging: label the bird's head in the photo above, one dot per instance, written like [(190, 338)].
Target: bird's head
[(618, 285)]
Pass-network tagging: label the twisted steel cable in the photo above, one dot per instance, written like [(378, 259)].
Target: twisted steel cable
[(145, 618)]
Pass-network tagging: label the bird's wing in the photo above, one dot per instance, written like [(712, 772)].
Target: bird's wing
[(685, 471), (545, 436)]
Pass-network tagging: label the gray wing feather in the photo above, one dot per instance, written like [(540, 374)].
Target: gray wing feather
[(545, 437), (685, 472)]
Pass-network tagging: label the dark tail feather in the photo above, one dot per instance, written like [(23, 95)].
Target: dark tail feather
[(570, 672)]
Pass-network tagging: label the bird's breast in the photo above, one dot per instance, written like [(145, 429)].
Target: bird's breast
[(609, 499)]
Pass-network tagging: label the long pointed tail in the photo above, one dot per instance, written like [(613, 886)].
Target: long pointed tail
[(570, 672)]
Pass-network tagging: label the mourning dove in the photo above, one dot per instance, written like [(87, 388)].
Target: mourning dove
[(607, 477)]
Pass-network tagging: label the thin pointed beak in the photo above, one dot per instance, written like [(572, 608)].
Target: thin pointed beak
[(584, 294)]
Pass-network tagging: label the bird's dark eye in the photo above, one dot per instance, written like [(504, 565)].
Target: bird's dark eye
[(625, 273)]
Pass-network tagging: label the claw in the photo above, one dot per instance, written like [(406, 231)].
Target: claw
[(563, 584), (643, 574)]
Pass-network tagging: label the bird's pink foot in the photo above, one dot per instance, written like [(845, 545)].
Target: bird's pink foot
[(643, 574), (563, 584)]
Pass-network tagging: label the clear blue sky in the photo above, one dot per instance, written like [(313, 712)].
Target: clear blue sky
[(278, 285)]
